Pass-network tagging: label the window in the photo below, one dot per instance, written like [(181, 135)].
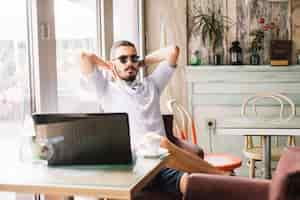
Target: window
[(14, 81), (125, 19), (75, 31), (74, 26)]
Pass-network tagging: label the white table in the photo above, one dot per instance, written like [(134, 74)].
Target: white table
[(239, 126), (103, 181)]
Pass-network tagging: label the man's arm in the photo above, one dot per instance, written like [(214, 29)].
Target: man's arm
[(89, 61), (93, 80), (167, 57), (170, 54)]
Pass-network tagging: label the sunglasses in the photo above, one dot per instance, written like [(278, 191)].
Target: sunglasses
[(124, 59)]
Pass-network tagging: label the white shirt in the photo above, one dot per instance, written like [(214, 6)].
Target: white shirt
[(141, 100)]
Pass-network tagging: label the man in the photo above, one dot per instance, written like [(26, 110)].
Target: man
[(141, 100)]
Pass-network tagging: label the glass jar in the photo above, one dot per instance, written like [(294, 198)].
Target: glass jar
[(236, 54), (218, 59), (195, 58), (30, 150), (254, 58)]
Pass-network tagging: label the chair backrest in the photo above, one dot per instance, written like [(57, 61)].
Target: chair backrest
[(185, 127), (283, 100), (168, 123), (280, 98)]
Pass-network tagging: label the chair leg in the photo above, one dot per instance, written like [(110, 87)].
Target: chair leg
[(291, 141), (294, 141), (251, 168)]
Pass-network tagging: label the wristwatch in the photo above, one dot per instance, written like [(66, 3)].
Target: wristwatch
[(142, 63)]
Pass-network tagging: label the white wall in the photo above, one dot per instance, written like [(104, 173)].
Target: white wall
[(172, 13)]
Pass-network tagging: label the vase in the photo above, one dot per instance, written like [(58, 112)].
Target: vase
[(236, 54), (217, 59), (195, 58), (254, 59)]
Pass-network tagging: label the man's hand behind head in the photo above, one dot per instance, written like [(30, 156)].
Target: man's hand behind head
[(170, 54), (173, 55), (88, 62)]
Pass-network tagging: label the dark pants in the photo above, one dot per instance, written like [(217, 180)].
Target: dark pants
[(167, 180)]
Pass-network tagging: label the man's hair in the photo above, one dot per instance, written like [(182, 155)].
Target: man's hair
[(118, 44)]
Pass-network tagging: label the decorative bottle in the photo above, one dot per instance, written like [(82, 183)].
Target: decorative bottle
[(236, 54)]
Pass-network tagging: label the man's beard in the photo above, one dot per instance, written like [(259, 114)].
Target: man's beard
[(131, 78)]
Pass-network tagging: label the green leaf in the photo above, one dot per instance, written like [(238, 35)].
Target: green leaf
[(211, 26)]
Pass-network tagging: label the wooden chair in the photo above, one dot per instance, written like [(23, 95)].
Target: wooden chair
[(253, 149), (185, 129), (254, 152)]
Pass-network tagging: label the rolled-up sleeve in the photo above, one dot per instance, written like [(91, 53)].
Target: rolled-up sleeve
[(94, 83)]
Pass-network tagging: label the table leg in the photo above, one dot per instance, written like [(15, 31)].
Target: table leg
[(267, 157)]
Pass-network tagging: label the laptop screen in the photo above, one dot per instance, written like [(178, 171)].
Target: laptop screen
[(94, 138)]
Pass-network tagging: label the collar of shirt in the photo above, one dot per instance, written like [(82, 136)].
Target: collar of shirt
[(134, 84)]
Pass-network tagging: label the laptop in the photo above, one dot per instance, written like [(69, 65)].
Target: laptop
[(93, 138)]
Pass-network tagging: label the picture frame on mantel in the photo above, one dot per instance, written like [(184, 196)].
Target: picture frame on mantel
[(280, 52), (245, 20)]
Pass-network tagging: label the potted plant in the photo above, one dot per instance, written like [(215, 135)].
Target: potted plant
[(257, 43), (211, 27)]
